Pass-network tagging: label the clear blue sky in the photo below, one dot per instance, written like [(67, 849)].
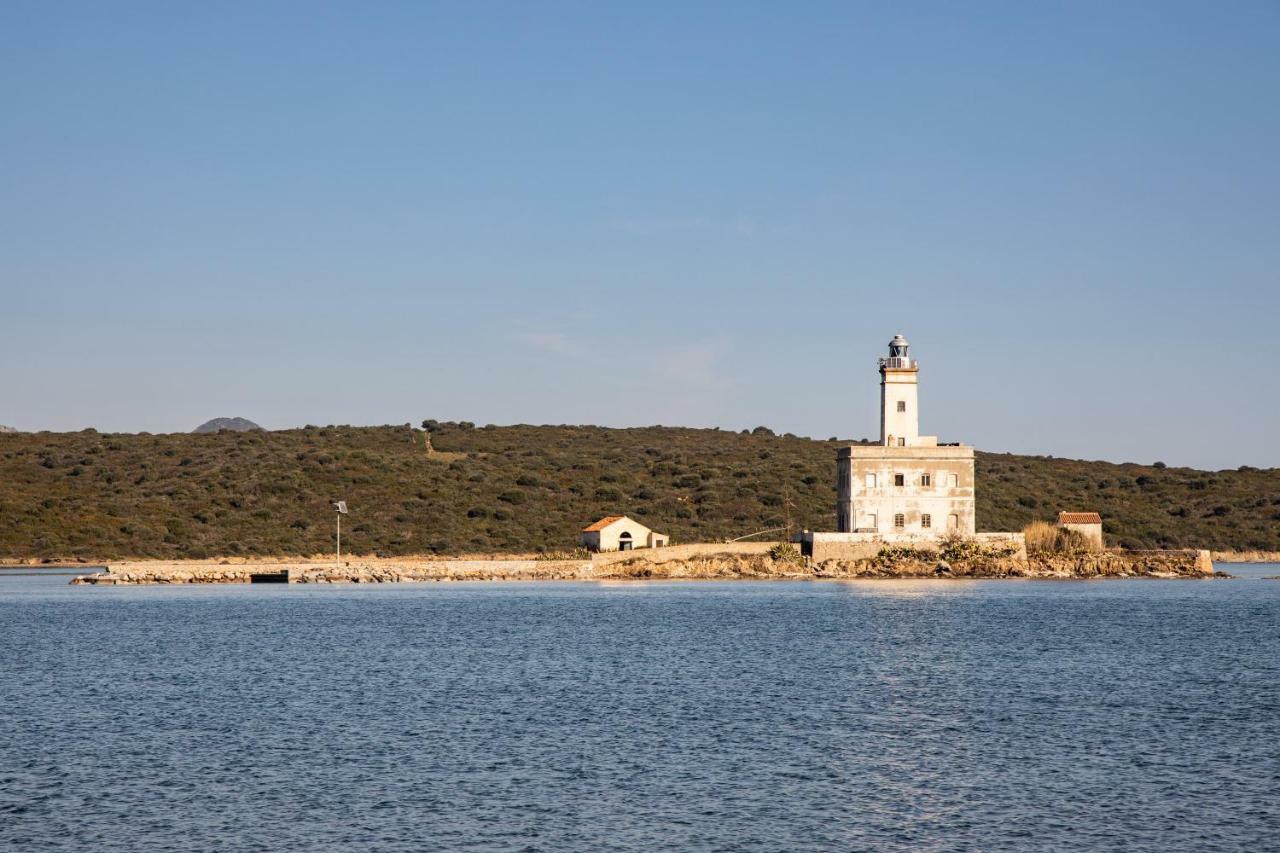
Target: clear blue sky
[(677, 213)]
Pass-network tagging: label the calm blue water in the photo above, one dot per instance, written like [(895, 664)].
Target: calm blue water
[(915, 715)]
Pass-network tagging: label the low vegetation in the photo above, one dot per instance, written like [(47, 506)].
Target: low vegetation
[(530, 489), (1045, 538)]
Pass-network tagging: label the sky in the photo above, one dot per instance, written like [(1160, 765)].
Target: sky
[(697, 214)]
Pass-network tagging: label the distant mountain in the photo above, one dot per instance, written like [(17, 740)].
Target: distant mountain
[(4, 428), (233, 424)]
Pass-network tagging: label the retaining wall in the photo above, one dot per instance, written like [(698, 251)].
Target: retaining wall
[(675, 553)]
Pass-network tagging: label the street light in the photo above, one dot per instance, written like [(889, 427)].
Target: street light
[(341, 507)]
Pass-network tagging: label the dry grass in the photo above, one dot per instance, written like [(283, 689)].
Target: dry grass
[(1046, 538), (1041, 537)]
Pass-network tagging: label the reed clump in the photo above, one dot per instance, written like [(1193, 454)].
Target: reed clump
[(1045, 538)]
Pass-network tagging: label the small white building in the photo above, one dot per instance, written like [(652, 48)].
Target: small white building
[(619, 533), (1087, 524)]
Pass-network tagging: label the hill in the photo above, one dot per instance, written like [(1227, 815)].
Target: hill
[(530, 488), (233, 424)]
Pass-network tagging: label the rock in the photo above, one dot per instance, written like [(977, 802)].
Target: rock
[(233, 424)]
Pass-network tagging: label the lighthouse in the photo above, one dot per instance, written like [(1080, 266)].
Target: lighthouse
[(899, 381), (908, 487)]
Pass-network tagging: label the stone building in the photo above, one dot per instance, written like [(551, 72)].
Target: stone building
[(1087, 524), (619, 533), (908, 486)]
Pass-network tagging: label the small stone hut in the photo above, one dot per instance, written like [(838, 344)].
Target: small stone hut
[(1087, 524), (619, 533)]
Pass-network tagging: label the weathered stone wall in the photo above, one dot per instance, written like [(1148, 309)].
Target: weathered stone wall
[(1092, 533), (844, 547), (864, 546), (868, 497), (354, 571), (676, 553)]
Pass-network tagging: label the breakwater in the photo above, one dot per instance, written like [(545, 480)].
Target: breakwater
[(759, 561)]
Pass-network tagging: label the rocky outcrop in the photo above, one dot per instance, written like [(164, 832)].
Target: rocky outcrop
[(232, 424), (1163, 564)]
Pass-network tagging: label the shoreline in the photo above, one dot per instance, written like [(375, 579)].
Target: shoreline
[(1246, 556), (711, 563)]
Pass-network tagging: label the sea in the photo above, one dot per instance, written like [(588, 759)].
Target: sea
[(915, 715)]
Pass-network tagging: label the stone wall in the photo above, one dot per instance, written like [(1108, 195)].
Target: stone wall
[(676, 553), (353, 571), (864, 546)]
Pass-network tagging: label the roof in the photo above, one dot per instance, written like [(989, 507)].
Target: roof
[(602, 523), (1079, 518)]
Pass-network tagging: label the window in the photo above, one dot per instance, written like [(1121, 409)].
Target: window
[(902, 442), (926, 520), (871, 481), (926, 479), (953, 480), (899, 479), (902, 405), (899, 520), (953, 521)]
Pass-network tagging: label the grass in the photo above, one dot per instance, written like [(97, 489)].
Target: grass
[(530, 489), (1045, 538)]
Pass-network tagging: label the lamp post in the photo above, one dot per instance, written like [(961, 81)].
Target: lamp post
[(341, 507)]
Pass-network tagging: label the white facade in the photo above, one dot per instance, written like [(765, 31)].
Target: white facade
[(899, 399), (619, 533), (908, 487)]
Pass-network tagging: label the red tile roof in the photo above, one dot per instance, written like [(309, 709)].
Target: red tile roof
[(1079, 518), (602, 523)]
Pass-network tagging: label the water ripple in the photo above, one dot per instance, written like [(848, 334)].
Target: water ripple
[(735, 716)]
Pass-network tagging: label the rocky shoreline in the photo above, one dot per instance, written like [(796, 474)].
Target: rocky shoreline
[(891, 564)]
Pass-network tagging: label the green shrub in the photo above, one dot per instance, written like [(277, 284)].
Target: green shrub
[(785, 552), (254, 487)]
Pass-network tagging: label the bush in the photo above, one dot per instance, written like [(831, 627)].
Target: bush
[(785, 552)]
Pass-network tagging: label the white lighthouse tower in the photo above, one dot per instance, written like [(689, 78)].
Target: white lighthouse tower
[(908, 487), (899, 383)]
